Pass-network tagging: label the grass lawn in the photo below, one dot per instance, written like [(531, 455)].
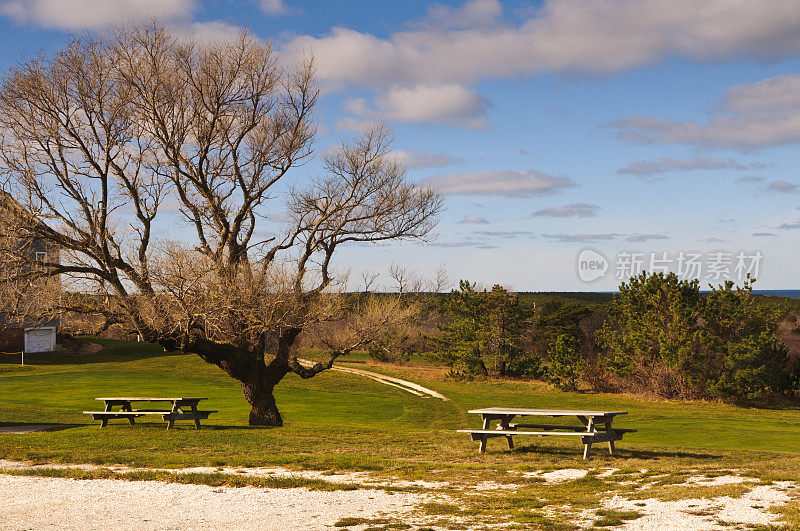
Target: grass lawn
[(339, 421)]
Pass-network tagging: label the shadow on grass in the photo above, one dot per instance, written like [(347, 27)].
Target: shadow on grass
[(619, 453), (184, 426), (240, 427), (32, 425), (650, 454), (113, 351), (779, 403)]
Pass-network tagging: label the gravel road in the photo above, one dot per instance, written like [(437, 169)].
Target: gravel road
[(59, 503)]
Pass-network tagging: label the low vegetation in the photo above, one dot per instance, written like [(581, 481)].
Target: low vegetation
[(388, 434), (483, 334), (664, 336), (657, 336)]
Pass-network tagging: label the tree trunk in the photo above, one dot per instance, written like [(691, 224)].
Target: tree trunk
[(264, 410)]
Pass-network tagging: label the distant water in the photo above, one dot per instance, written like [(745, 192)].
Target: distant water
[(788, 293), (606, 295)]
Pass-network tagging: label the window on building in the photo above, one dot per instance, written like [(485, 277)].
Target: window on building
[(41, 258)]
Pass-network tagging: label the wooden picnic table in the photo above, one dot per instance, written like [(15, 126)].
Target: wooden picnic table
[(182, 408), (595, 426)]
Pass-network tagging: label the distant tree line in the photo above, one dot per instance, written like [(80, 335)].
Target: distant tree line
[(659, 335)]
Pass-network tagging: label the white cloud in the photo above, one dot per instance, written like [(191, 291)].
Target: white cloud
[(563, 36), (214, 31), (475, 13), (638, 238), (789, 226), (452, 48), (355, 124), (581, 238), (504, 234), (447, 104), (743, 132), (581, 210), (515, 183), (357, 106), (772, 94), (756, 115), (274, 7), (425, 159), (783, 187), (590, 238), (474, 219), (647, 168), (450, 245), (439, 104), (750, 179), (83, 14)]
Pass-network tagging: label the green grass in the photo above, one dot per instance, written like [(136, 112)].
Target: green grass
[(610, 517), (339, 421), (337, 411)]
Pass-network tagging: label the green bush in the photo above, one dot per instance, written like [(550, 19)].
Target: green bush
[(484, 334), (564, 333), (566, 362), (664, 336)]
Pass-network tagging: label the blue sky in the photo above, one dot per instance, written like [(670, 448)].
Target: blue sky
[(647, 126)]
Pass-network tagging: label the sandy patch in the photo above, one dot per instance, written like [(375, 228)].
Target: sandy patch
[(493, 485), (567, 474), (558, 476), (360, 478), (704, 481), (154, 504), (704, 514), (38, 503)]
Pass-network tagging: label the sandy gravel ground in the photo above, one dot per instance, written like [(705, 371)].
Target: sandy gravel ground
[(720, 513), (59, 503), (750, 510)]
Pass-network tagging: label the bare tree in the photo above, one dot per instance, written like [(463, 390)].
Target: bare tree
[(100, 139), (405, 280), (440, 282), (369, 280)]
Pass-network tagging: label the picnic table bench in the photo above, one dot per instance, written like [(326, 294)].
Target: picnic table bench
[(182, 408), (596, 426)]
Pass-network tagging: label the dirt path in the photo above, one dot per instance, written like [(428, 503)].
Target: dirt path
[(405, 385)]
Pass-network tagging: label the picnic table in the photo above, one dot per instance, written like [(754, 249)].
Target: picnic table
[(181, 408), (595, 426)]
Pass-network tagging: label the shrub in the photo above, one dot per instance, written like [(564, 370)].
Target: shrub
[(663, 335), (566, 362), (564, 333), (484, 334)]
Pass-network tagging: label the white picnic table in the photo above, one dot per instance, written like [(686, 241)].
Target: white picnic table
[(181, 408), (595, 426)]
